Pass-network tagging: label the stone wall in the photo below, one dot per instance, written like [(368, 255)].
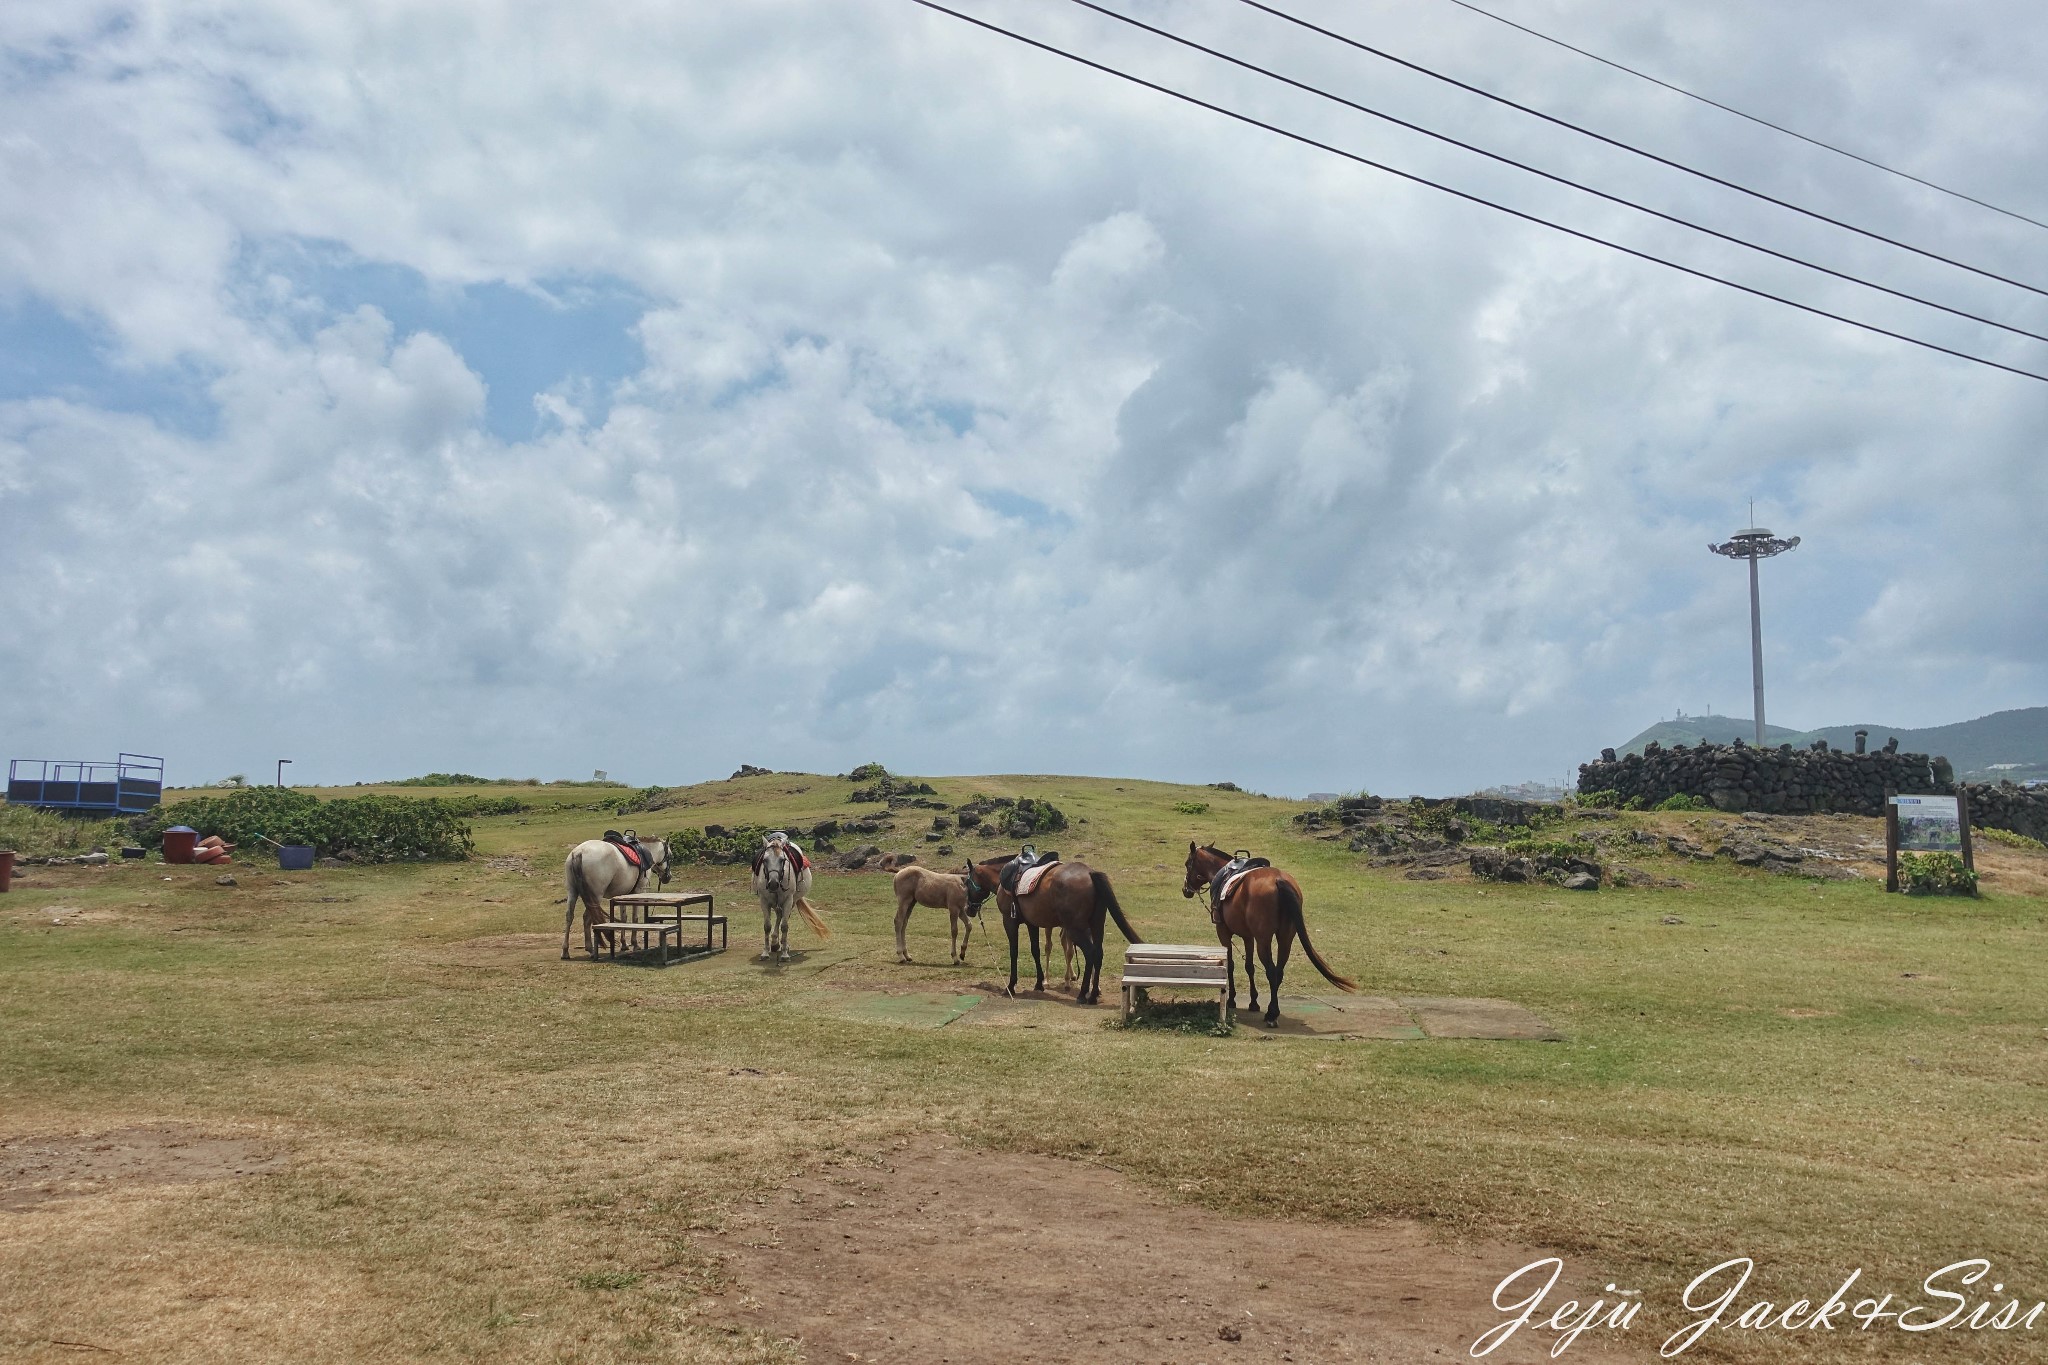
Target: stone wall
[(1784, 780), (2023, 810)]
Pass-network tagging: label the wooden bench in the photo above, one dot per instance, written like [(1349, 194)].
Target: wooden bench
[(1203, 966), (665, 910), (610, 932)]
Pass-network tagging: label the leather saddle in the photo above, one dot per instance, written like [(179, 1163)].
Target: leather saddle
[(1025, 860), (1224, 882), (629, 844)]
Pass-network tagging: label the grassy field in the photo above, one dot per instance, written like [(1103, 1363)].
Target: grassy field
[(498, 1155)]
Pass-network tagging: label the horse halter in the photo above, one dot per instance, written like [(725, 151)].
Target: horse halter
[(1196, 878), (976, 892)]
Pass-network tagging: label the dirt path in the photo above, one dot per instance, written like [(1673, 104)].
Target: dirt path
[(941, 1256), (36, 1170)]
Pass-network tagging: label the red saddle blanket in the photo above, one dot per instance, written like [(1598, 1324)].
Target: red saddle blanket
[(802, 859)]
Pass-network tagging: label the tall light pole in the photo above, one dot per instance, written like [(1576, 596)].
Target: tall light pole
[(280, 770), (1753, 544)]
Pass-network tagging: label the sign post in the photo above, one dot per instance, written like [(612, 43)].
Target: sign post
[(1925, 824)]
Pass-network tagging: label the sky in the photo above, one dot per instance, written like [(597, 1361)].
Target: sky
[(527, 390)]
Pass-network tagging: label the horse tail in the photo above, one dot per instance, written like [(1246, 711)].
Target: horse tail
[(1290, 905), (572, 873), (810, 914), (1105, 896)]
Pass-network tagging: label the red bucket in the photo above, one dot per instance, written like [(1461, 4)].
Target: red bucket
[(6, 868), (178, 844)]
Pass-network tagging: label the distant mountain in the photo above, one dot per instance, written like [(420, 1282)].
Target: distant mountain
[(1981, 748)]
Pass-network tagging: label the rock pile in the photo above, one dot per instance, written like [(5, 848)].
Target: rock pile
[(1571, 871), (1415, 829)]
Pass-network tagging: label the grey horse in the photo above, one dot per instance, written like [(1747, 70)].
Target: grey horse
[(597, 870)]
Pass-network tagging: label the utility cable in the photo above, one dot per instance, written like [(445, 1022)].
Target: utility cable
[(1753, 118), (1551, 176), (1638, 151), (1308, 141)]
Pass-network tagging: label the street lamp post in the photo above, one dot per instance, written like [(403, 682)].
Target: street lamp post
[(1753, 544), (280, 770)]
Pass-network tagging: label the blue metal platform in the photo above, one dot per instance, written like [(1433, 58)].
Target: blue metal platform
[(129, 785)]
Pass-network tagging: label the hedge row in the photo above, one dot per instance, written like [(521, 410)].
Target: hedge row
[(378, 829)]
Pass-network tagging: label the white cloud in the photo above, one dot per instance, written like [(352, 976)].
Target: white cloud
[(989, 415)]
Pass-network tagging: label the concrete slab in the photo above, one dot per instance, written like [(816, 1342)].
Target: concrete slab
[(1351, 1016), (922, 1009), (1448, 1017)]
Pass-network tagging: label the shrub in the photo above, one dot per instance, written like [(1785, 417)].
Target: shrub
[(472, 805), (1605, 799), (1935, 874), (1680, 801), (868, 772), (373, 828), (36, 833), (633, 803), (442, 780), (1191, 807), (716, 844), (2008, 838)]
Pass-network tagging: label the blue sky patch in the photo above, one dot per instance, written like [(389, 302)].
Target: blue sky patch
[(45, 354), (573, 334)]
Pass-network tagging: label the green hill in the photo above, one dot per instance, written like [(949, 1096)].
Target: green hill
[(1976, 747)]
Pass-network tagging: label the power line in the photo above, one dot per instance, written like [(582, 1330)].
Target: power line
[(1638, 151), (1308, 141), (1753, 118), (1552, 176)]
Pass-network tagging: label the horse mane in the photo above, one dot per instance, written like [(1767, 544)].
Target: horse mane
[(1211, 848)]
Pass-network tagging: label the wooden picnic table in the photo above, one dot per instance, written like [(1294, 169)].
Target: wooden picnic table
[(657, 915)]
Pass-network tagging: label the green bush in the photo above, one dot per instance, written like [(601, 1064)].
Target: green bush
[(378, 829), (1680, 801), (2009, 838), (1605, 799), (715, 844), (36, 833), (1191, 807), (633, 803), (472, 806), (1936, 874)]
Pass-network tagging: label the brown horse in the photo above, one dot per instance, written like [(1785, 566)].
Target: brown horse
[(1072, 897), (1264, 905)]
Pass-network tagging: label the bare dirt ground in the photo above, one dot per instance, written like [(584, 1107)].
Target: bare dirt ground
[(35, 1170), (934, 1255)]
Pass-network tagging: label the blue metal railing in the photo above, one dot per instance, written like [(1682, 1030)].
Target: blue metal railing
[(129, 785)]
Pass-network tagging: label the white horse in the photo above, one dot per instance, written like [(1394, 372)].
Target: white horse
[(596, 870), (782, 881)]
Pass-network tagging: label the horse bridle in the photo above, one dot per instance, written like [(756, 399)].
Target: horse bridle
[(976, 893), (786, 867)]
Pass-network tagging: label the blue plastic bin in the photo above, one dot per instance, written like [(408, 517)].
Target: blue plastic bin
[(295, 857)]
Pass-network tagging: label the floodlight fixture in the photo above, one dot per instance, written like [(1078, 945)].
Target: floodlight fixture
[(1755, 543)]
